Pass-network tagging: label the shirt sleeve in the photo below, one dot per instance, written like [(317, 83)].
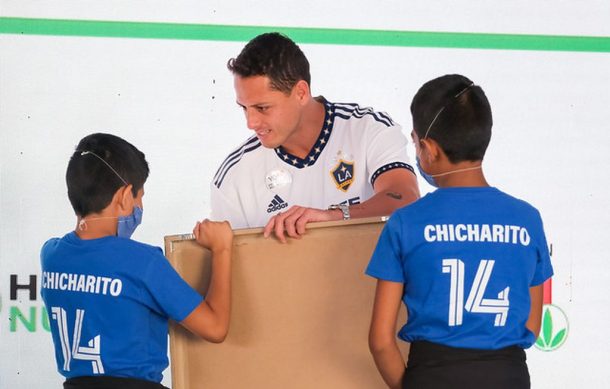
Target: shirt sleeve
[(169, 294), (387, 150), (225, 205), (544, 269), (386, 262)]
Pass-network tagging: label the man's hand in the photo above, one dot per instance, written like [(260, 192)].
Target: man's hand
[(293, 221), (214, 236)]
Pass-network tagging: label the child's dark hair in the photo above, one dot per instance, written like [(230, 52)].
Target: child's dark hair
[(101, 164), (273, 55), (456, 114)]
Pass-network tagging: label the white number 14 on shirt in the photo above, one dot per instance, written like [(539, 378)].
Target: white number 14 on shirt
[(475, 302), (90, 353)]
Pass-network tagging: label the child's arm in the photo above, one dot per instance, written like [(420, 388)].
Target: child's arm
[(382, 335), (533, 321), (210, 319)]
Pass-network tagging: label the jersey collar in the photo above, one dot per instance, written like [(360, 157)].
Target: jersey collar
[(316, 150)]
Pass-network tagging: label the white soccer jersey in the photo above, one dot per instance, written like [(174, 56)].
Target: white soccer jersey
[(355, 146)]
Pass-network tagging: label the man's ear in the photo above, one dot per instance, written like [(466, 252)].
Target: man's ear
[(301, 91)]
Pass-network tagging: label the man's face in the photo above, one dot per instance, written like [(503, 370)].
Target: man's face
[(273, 115)]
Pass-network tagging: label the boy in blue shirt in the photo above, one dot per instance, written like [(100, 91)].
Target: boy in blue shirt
[(109, 298), (467, 260)]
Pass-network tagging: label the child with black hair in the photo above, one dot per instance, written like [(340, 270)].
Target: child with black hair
[(467, 260), (109, 298)]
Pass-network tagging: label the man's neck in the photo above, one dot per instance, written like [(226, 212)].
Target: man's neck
[(306, 135)]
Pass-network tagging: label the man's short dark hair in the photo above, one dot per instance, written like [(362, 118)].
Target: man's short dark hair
[(273, 55), (463, 127), (92, 183)]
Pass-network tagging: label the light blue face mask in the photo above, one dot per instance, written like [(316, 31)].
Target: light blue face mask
[(128, 224), (429, 179)]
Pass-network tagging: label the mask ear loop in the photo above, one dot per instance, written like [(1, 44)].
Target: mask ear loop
[(106, 163), (432, 122), (82, 224), (443, 108)]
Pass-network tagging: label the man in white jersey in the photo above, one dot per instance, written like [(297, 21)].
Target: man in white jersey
[(309, 159)]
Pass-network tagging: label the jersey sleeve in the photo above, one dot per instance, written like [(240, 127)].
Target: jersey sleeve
[(167, 292), (386, 262), (386, 150), (544, 269), (225, 205)]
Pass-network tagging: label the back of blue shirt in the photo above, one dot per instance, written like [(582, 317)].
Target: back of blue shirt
[(109, 301), (467, 257)]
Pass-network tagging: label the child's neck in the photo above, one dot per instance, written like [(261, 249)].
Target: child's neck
[(463, 174), (96, 226)]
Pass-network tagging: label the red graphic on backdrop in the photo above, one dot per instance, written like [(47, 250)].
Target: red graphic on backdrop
[(547, 292)]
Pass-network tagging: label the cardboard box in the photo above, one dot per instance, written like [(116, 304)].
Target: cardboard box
[(300, 315)]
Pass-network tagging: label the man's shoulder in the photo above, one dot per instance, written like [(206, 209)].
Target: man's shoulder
[(357, 113), (232, 161)]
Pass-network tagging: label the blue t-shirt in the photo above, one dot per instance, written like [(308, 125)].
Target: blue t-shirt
[(467, 257), (109, 301)]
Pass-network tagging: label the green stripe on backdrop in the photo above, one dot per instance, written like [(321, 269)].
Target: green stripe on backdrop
[(207, 32)]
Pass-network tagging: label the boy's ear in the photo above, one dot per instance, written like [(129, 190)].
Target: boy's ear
[(125, 198), (431, 149)]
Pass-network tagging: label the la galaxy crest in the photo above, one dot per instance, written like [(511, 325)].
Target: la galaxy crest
[(343, 175)]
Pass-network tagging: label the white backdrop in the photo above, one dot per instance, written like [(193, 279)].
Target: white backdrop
[(174, 100)]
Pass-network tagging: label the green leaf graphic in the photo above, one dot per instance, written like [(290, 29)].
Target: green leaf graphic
[(547, 327), (558, 338), (540, 342)]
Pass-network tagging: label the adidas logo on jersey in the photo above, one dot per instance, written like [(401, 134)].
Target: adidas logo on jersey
[(276, 204)]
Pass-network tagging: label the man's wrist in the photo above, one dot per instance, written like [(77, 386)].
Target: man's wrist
[(343, 208)]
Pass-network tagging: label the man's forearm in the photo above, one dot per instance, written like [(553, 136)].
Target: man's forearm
[(393, 190), (384, 203)]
